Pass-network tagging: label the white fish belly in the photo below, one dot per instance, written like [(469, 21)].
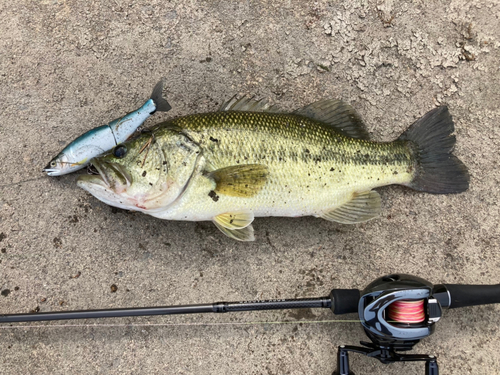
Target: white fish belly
[(285, 194)]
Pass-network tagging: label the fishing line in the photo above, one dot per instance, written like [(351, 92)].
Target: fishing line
[(90, 170), (22, 181), (177, 324), (406, 311), (397, 313)]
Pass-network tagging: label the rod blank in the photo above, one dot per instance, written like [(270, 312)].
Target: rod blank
[(219, 307)]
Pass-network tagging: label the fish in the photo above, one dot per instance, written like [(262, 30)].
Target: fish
[(79, 152), (251, 160)]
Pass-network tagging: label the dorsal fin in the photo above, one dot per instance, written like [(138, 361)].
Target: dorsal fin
[(339, 115), (248, 105)]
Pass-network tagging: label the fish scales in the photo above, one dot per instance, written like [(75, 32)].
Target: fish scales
[(311, 167)]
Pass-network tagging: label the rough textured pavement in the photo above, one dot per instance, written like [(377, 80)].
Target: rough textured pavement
[(68, 66)]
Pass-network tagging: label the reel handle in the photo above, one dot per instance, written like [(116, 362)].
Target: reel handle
[(472, 295)]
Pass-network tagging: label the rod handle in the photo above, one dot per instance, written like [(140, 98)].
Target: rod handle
[(345, 301), (472, 295)]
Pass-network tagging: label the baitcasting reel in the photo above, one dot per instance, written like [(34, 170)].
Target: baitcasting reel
[(396, 311)]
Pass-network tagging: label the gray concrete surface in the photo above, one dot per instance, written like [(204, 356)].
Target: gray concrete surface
[(68, 66)]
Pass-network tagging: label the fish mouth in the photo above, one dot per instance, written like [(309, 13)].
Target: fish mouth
[(50, 170), (48, 167), (53, 170), (60, 165), (111, 175)]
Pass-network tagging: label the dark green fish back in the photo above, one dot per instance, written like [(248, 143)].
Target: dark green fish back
[(251, 137)]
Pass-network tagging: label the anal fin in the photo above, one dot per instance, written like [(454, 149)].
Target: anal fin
[(362, 207)]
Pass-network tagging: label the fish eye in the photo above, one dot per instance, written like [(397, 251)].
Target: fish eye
[(120, 151), (53, 164)]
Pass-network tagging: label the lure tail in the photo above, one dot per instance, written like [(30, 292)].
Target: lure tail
[(160, 103), (438, 171)]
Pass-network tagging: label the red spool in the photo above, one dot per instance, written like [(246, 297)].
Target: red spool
[(406, 312)]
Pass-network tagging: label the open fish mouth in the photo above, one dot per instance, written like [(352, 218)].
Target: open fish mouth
[(92, 170), (109, 175), (50, 171), (58, 166)]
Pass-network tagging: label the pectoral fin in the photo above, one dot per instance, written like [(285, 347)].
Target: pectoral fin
[(362, 207), (241, 180)]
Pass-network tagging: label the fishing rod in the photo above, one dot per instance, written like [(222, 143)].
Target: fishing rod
[(396, 312)]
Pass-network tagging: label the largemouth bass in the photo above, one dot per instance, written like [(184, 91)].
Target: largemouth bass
[(249, 160), (79, 152)]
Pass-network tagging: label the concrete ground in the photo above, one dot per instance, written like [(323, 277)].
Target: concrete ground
[(68, 66)]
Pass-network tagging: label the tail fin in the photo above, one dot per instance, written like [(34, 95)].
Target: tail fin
[(160, 103), (438, 171)]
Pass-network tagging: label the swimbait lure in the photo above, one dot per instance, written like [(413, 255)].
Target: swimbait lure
[(93, 143)]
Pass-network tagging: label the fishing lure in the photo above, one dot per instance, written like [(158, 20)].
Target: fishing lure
[(93, 143)]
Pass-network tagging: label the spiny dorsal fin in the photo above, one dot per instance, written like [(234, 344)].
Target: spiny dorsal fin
[(362, 207), (244, 234), (339, 115), (248, 105), (240, 180)]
